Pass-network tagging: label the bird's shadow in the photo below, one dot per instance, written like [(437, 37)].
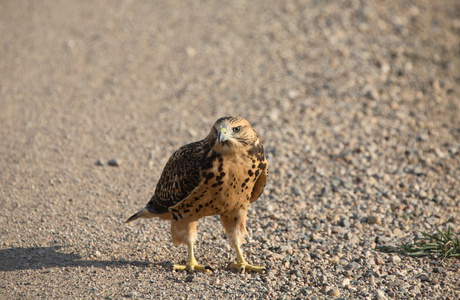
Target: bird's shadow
[(37, 258)]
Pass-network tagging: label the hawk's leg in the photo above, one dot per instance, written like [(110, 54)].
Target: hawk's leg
[(191, 265), (241, 265), (235, 227), (184, 232)]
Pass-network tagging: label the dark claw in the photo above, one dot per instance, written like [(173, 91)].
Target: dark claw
[(242, 270), (209, 268)]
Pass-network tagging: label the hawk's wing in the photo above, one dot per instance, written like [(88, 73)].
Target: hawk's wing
[(180, 177), (259, 185)]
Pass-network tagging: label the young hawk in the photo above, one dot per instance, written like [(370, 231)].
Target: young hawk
[(220, 175)]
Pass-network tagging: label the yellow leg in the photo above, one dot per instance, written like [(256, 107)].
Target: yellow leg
[(241, 264), (191, 265)]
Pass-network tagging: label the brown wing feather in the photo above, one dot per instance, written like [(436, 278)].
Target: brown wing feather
[(179, 178), (259, 185)]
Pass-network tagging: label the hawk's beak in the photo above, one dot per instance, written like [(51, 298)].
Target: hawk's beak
[(222, 135)]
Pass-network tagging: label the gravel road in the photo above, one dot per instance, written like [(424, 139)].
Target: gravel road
[(357, 104)]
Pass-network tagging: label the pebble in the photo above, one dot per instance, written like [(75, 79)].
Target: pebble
[(114, 162), (398, 233), (372, 280), (275, 216), (344, 222), (371, 93), (352, 266), (374, 220), (395, 259), (335, 293), (379, 294), (334, 260), (379, 261), (424, 277), (326, 289), (314, 256)]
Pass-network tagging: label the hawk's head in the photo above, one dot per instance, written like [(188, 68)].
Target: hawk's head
[(232, 133)]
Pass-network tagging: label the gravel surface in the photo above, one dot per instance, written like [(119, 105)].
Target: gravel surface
[(357, 103)]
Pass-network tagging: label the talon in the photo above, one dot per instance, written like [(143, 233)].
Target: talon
[(209, 268)]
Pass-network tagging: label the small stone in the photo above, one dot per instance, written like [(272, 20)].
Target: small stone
[(422, 194), (326, 289), (97, 253), (384, 67), (352, 265), (114, 162), (379, 294), (395, 259), (415, 289), (435, 84), (191, 52), (374, 220), (323, 279), (397, 233), (345, 282), (336, 183), (275, 216), (371, 92), (372, 280), (326, 191), (380, 239), (99, 162), (277, 256), (394, 105), (334, 260), (390, 277), (379, 261), (314, 256), (285, 248), (347, 236), (347, 184), (190, 278), (344, 222), (424, 277), (335, 293), (292, 94)]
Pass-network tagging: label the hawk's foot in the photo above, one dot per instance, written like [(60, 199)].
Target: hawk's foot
[(242, 267), (191, 268)]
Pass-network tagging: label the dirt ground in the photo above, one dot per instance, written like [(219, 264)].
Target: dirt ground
[(357, 103)]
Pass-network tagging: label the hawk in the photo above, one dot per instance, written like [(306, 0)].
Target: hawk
[(219, 175)]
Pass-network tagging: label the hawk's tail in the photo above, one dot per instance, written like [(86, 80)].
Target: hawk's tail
[(143, 213)]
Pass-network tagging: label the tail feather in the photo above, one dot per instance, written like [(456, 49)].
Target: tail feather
[(143, 213)]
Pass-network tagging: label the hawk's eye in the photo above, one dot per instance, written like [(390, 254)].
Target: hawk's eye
[(237, 129)]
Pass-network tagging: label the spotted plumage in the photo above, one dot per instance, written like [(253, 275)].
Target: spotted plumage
[(219, 175)]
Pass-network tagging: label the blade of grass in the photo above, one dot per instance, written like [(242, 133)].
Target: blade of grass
[(443, 244)]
